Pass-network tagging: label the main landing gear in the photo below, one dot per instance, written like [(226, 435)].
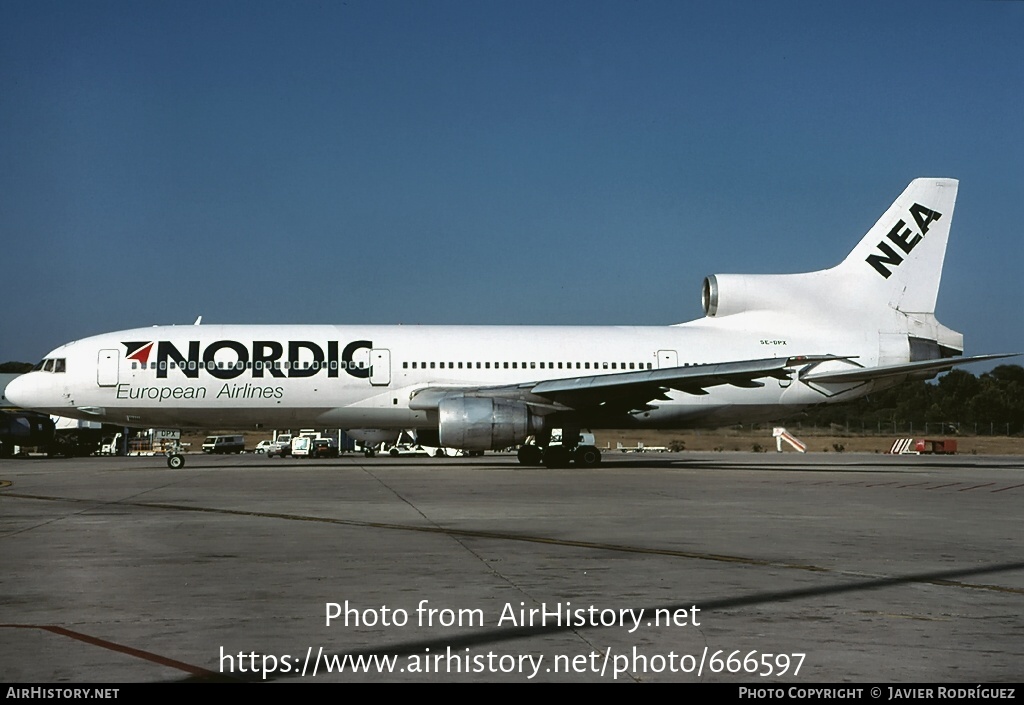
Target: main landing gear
[(559, 456)]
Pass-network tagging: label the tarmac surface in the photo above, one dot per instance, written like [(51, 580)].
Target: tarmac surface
[(752, 568)]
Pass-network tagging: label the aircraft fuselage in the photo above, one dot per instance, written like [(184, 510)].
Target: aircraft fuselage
[(768, 345), (364, 376)]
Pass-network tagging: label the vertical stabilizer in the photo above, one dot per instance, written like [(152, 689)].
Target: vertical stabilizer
[(899, 261), (895, 268)]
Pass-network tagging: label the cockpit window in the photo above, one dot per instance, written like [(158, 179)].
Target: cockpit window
[(51, 364)]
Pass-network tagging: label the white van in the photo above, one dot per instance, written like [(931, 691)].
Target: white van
[(224, 444)]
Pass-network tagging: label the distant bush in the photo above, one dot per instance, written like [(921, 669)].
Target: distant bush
[(15, 367), (957, 402)]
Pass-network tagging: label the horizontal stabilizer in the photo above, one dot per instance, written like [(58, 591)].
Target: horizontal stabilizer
[(867, 374)]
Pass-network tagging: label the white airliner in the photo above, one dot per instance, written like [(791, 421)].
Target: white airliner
[(768, 345)]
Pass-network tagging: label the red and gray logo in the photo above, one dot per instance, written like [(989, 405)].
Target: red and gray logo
[(138, 351)]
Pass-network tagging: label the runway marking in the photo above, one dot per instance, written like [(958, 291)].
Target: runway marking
[(913, 485), (120, 648), (525, 538), (902, 615), (1011, 487)]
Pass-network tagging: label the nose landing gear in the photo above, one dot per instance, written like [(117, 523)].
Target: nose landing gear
[(175, 457)]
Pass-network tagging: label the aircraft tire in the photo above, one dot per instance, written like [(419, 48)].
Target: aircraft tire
[(529, 455), (175, 462), (587, 456), (557, 457)]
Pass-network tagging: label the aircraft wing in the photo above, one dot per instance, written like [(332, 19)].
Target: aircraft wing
[(625, 391), (923, 368), (631, 391), (634, 389)]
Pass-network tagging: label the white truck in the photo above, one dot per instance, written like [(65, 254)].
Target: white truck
[(282, 446)]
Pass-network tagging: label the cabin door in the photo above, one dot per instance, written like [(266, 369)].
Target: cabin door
[(107, 364), (380, 367)]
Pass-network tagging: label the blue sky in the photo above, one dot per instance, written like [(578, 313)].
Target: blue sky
[(488, 162)]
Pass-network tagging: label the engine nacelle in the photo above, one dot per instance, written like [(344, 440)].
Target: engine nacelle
[(482, 423), (727, 294)]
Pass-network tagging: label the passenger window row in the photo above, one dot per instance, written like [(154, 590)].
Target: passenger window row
[(250, 365), (527, 365)]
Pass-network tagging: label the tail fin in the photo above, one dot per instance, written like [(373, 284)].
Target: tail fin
[(887, 286), (899, 261), (894, 269)]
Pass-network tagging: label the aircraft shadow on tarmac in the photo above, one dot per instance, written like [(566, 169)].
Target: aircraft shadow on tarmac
[(498, 636)]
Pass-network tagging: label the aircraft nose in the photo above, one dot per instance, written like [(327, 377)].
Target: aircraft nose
[(23, 392)]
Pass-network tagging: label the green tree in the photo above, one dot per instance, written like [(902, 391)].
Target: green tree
[(15, 367)]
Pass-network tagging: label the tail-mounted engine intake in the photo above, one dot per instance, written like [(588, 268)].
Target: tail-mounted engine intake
[(709, 295), (727, 294), (483, 423)]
